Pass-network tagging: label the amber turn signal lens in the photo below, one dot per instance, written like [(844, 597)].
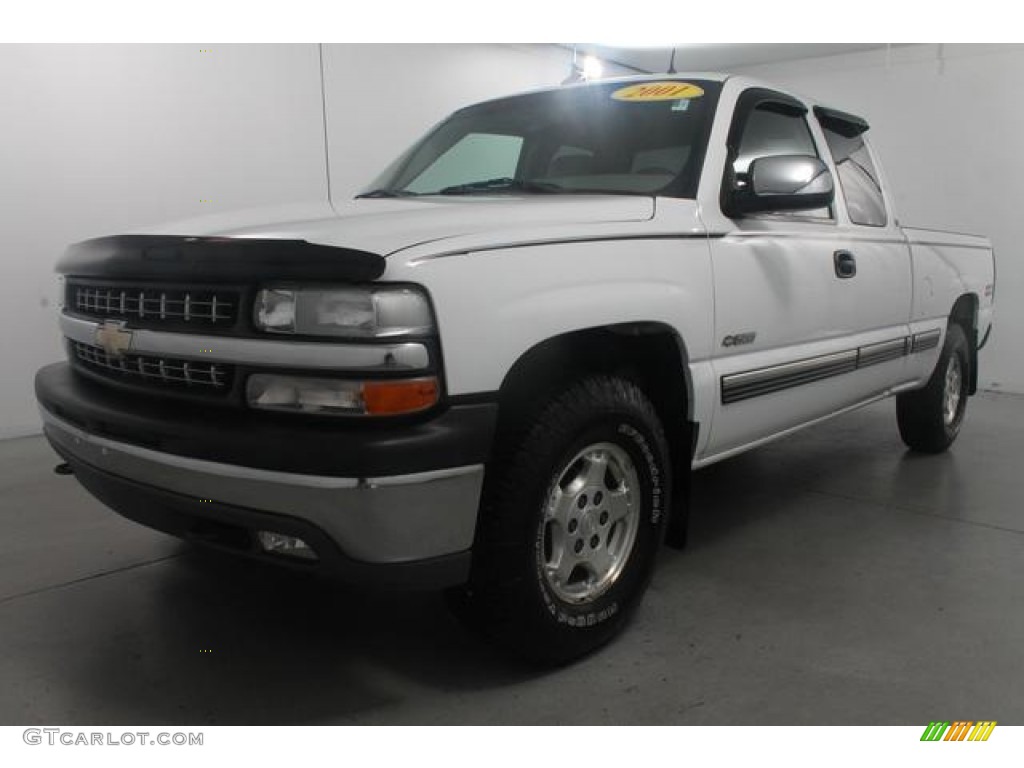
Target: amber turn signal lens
[(381, 398)]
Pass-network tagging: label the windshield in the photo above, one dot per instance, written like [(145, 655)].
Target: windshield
[(610, 138)]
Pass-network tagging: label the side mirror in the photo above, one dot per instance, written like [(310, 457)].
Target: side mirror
[(783, 183)]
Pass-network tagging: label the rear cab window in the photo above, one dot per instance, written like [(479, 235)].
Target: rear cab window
[(858, 177)]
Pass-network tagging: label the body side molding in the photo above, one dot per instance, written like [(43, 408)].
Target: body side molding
[(763, 381)]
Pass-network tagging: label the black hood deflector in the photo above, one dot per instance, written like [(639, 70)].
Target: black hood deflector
[(217, 259)]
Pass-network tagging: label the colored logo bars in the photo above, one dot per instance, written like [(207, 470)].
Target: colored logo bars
[(961, 730)]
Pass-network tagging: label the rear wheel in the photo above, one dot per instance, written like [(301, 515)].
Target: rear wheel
[(930, 418), (571, 521)]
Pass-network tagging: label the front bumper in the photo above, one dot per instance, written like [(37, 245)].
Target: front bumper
[(413, 528)]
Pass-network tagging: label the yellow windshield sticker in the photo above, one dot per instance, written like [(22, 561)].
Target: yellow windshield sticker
[(663, 91)]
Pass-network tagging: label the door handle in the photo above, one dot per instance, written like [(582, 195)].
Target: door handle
[(846, 264)]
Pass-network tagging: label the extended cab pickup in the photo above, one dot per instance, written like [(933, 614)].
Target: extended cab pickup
[(494, 370)]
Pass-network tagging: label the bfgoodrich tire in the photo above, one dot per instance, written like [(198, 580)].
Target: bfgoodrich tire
[(929, 419), (572, 518)]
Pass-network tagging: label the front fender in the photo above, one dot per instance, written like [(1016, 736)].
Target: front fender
[(494, 306)]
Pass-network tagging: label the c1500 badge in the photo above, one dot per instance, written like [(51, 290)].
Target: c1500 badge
[(739, 339)]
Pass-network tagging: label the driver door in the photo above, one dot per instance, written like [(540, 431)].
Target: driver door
[(784, 318)]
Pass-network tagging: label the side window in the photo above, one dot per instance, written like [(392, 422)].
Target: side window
[(771, 131), (474, 157), (858, 178)]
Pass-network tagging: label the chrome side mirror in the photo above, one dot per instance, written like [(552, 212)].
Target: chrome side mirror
[(783, 183)]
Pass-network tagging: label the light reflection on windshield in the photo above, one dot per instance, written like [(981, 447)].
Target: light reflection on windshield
[(578, 140)]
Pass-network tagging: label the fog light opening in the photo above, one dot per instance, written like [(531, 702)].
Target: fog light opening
[(282, 544)]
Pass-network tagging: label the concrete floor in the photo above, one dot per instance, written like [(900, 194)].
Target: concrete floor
[(832, 578)]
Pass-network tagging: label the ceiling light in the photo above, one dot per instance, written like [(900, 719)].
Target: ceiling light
[(592, 68)]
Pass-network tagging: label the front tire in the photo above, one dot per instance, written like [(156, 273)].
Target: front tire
[(930, 419), (572, 518)]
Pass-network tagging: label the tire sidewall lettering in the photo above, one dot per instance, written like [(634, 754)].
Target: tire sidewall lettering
[(641, 442), (607, 605)]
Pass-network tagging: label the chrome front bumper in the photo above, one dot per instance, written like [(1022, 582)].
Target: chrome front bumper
[(378, 520)]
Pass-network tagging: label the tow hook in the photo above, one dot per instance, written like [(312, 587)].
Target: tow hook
[(64, 469)]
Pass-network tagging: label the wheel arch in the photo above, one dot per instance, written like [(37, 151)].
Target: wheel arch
[(965, 314), (652, 354)]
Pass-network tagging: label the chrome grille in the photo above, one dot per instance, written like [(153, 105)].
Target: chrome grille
[(199, 376), (155, 305)]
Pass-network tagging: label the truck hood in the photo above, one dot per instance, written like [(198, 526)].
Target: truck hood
[(384, 226)]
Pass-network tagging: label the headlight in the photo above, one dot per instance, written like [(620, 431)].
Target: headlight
[(375, 312), (342, 397)]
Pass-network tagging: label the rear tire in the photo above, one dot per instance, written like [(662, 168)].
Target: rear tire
[(572, 517), (930, 419)]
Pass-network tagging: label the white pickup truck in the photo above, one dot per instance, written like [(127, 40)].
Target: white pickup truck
[(494, 370)]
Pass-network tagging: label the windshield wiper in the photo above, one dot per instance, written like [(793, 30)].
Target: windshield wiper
[(502, 184), (386, 193)]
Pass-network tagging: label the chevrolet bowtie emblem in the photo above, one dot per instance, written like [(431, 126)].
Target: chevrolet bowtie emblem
[(112, 336)]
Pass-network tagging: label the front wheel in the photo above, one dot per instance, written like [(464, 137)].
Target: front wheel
[(572, 518), (930, 418)]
